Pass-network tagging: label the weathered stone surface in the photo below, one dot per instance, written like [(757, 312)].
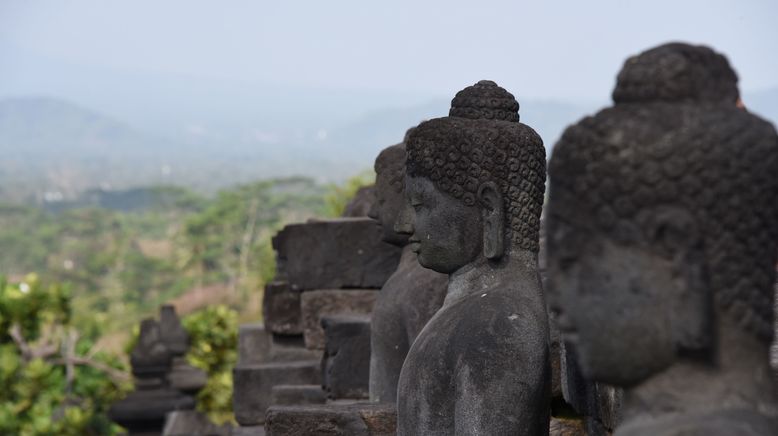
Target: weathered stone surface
[(252, 430), (357, 419), (286, 348), (288, 395), (254, 344), (774, 348), (337, 253), (608, 402), (192, 423), (346, 361), (281, 309), (408, 300), (185, 377), (145, 410), (662, 264), (361, 203), (172, 332), (164, 381), (476, 180), (410, 296), (316, 304), (253, 385), (150, 358)]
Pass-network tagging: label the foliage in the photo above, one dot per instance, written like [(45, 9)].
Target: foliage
[(119, 257), (338, 196), (51, 380), (152, 246), (213, 333)]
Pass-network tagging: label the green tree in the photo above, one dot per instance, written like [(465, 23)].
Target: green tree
[(213, 333), (52, 381)]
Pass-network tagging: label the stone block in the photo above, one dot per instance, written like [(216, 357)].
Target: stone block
[(254, 345), (253, 430), (289, 395), (357, 419), (316, 304), (281, 309), (286, 348), (346, 361), (336, 253), (253, 385), (146, 410), (192, 423), (185, 377)]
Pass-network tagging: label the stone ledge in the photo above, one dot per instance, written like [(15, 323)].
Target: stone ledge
[(356, 419)]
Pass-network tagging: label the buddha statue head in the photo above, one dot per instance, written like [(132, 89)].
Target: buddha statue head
[(663, 220), (150, 357), (389, 200), (475, 181)]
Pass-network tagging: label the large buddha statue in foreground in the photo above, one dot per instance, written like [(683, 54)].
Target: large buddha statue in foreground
[(475, 181), (410, 296), (663, 233)]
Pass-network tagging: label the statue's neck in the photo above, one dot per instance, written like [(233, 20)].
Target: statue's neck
[(739, 377), (408, 256), (483, 275)]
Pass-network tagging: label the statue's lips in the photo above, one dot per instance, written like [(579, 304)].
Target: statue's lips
[(415, 246)]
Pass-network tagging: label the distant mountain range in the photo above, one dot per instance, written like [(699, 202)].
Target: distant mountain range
[(54, 149)]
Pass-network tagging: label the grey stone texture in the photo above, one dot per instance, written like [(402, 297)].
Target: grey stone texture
[(185, 377), (335, 253), (356, 419), (319, 303), (408, 300), (253, 386), (164, 382), (252, 430), (662, 232), (281, 309), (410, 296), (288, 395), (192, 423), (254, 344), (346, 360), (475, 181), (361, 203)]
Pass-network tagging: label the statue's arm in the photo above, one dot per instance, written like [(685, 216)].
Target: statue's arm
[(386, 360)]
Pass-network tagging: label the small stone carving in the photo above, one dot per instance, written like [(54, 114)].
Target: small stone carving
[(663, 233), (164, 382), (475, 181)]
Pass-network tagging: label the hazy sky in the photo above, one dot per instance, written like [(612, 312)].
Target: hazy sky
[(540, 49)]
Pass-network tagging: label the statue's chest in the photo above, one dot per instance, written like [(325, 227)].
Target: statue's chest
[(430, 359)]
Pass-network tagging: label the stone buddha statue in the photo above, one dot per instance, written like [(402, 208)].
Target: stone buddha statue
[(662, 240), (475, 181), (410, 296)]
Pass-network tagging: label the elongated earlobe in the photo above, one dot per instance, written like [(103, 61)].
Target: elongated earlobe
[(494, 220)]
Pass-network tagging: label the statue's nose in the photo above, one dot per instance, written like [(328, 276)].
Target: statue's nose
[(404, 223), (373, 211)]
